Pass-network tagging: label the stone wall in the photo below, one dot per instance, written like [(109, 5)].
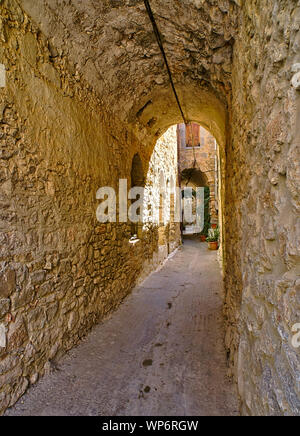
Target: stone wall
[(83, 84), (262, 268), (60, 270), (161, 193)]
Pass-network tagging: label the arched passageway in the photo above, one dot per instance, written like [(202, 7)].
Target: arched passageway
[(195, 177), (85, 90), (199, 163)]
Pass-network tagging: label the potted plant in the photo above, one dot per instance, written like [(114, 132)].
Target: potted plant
[(213, 239)]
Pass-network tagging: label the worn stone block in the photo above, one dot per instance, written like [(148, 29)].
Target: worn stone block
[(7, 282), (4, 307)]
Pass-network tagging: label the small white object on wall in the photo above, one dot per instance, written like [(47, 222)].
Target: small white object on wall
[(2, 76), (2, 336), (296, 77), (296, 81)]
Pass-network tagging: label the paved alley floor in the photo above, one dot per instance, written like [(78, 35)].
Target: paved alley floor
[(160, 354)]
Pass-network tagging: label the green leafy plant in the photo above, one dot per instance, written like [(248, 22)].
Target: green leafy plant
[(213, 235)]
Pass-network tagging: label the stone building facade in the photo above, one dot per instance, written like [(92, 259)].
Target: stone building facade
[(198, 162), (85, 91)]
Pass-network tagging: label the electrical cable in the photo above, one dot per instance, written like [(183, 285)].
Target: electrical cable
[(160, 44)]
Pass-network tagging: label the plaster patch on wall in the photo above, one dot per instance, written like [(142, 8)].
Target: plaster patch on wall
[(2, 336), (2, 76)]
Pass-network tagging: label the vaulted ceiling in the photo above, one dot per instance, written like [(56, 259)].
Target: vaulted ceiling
[(112, 43)]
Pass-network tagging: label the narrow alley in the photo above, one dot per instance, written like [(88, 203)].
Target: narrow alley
[(160, 354)]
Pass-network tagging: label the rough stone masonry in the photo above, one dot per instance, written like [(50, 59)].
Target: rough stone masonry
[(86, 89)]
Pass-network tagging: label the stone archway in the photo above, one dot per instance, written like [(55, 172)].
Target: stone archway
[(194, 176)]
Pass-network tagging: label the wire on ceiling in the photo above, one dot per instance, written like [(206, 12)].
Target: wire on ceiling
[(160, 44)]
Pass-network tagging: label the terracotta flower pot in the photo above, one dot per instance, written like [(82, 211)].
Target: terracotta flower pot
[(202, 238), (213, 245)]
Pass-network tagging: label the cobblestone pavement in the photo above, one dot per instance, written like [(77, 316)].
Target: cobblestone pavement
[(161, 353)]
